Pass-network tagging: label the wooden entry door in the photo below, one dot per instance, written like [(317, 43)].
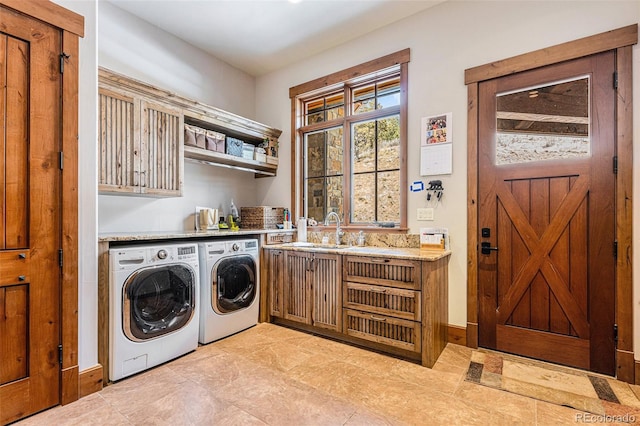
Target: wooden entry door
[(30, 225), (546, 215)]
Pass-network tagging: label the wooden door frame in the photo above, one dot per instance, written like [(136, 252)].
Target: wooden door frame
[(71, 26), (621, 41)]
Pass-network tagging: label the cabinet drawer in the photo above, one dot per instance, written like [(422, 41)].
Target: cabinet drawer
[(397, 273), (391, 301), (389, 331)]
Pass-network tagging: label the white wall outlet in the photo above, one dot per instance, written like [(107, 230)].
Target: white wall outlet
[(425, 213)]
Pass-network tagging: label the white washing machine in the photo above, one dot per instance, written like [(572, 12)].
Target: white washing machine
[(153, 305), (229, 290)]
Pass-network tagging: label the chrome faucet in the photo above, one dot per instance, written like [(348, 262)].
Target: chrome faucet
[(339, 232)]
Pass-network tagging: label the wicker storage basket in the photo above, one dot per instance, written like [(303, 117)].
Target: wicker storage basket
[(215, 141), (262, 217), (194, 136)]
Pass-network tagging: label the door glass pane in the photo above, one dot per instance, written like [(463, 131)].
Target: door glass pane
[(543, 123)]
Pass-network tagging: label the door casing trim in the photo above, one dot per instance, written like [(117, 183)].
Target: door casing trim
[(619, 40)]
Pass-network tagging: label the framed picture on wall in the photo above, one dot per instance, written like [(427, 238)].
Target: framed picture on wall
[(436, 129)]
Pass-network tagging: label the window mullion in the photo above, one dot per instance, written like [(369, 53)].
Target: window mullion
[(347, 186)]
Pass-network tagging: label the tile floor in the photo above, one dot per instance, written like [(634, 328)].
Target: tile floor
[(276, 376)]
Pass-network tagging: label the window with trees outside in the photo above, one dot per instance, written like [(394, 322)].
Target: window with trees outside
[(350, 144)]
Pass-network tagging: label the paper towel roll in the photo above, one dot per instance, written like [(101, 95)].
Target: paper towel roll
[(302, 229)]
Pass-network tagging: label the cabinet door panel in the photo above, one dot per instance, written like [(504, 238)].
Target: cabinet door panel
[(161, 150), (327, 294), (275, 281), (118, 135), (297, 303)]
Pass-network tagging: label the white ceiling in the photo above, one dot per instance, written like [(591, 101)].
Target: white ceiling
[(260, 36)]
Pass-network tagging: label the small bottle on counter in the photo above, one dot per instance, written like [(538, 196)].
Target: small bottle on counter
[(302, 229), (233, 211)]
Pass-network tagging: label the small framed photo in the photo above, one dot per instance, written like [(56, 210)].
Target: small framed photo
[(436, 129)]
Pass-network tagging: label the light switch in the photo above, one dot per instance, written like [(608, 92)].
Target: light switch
[(426, 213)]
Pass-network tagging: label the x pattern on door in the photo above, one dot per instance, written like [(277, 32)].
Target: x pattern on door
[(539, 259)]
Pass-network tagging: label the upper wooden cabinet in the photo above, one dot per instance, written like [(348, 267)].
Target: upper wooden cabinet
[(140, 144), (141, 136)]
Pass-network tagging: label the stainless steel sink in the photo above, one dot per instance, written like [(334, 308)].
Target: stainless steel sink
[(318, 245)]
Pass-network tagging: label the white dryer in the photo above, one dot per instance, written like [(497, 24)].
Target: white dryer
[(229, 290), (153, 305)]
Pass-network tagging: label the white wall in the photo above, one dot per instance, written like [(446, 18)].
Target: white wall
[(138, 49), (444, 41)]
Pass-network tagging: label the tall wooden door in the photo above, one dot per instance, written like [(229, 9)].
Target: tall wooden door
[(546, 216), (29, 216)]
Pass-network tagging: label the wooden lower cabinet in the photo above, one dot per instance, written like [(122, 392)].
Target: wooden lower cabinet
[(388, 304), (305, 287)]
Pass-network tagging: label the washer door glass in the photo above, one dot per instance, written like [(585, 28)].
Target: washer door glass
[(157, 301), (234, 283)]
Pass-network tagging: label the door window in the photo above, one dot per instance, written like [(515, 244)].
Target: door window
[(546, 122)]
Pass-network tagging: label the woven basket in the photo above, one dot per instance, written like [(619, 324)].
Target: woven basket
[(262, 217)]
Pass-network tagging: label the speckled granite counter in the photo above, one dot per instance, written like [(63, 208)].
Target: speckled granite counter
[(389, 252), (168, 235)]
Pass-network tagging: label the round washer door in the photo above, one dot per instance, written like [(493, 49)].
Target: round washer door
[(234, 283), (157, 301)]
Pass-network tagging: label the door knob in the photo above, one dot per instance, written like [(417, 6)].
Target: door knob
[(485, 248)]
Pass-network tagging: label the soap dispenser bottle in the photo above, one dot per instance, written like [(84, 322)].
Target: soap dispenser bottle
[(233, 211), (361, 239)]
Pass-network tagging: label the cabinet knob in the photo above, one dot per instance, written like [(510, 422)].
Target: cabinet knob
[(21, 278), (22, 256)]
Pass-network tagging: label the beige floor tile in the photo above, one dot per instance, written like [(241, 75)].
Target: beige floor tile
[(364, 417), (282, 357), (192, 404), (516, 407), (91, 410), (454, 359), (442, 381), (278, 400), (134, 392), (551, 414), (337, 378)]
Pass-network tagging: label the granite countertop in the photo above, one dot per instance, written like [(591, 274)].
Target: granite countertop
[(389, 252), (166, 235)]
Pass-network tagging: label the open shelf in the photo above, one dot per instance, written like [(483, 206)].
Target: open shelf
[(225, 160)]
